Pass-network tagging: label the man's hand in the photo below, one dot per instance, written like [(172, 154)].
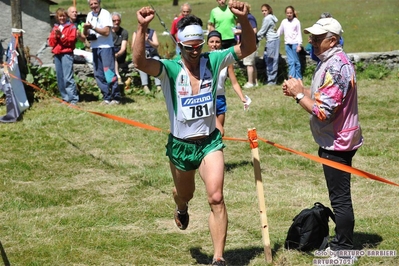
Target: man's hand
[(87, 26), (298, 48), (292, 87), (145, 15), (238, 8)]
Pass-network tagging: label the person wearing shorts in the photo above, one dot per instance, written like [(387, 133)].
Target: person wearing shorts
[(250, 60), (187, 155), (189, 85), (252, 73), (215, 43)]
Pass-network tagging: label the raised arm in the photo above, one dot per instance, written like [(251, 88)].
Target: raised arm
[(148, 65), (248, 42)]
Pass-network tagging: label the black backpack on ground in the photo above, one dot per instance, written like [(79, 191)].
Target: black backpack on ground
[(310, 229)]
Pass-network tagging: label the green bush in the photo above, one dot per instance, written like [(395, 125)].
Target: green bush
[(308, 73), (371, 71), (46, 79), (363, 71)]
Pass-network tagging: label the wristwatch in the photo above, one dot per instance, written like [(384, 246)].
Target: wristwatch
[(299, 97)]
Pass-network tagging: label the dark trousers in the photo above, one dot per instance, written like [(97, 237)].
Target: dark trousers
[(104, 73), (339, 190)]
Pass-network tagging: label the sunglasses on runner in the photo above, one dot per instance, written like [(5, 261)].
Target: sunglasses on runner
[(191, 48)]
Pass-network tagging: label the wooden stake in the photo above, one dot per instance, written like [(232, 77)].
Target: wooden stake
[(253, 140)]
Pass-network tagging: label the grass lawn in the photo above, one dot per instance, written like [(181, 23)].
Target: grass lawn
[(80, 189)]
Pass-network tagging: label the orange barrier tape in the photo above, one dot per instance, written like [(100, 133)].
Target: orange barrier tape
[(333, 164), (235, 139), (126, 121), (330, 163), (114, 117), (252, 138)]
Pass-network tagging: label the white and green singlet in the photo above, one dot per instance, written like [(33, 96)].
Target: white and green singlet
[(193, 115)]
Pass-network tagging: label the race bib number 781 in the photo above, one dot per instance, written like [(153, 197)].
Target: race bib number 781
[(197, 106)]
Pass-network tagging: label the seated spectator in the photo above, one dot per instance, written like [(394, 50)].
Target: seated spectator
[(120, 37), (151, 51)]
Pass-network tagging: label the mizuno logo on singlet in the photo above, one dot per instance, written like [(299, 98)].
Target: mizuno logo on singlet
[(198, 99)]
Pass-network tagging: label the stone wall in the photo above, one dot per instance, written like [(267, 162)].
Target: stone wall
[(388, 59)]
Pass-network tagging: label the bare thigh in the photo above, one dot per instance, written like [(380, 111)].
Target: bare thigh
[(212, 173)]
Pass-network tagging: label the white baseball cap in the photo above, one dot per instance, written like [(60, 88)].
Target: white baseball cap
[(325, 25)]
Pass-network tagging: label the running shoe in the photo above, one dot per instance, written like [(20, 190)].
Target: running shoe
[(219, 262), (181, 219)]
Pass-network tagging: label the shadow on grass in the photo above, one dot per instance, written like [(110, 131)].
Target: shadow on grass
[(88, 97), (366, 240), (90, 154), (244, 256), (230, 166), (360, 241), (241, 256)]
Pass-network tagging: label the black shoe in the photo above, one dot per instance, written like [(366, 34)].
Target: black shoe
[(219, 262), (181, 219)]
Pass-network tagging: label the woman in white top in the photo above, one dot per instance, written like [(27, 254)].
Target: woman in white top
[(291, 28)]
